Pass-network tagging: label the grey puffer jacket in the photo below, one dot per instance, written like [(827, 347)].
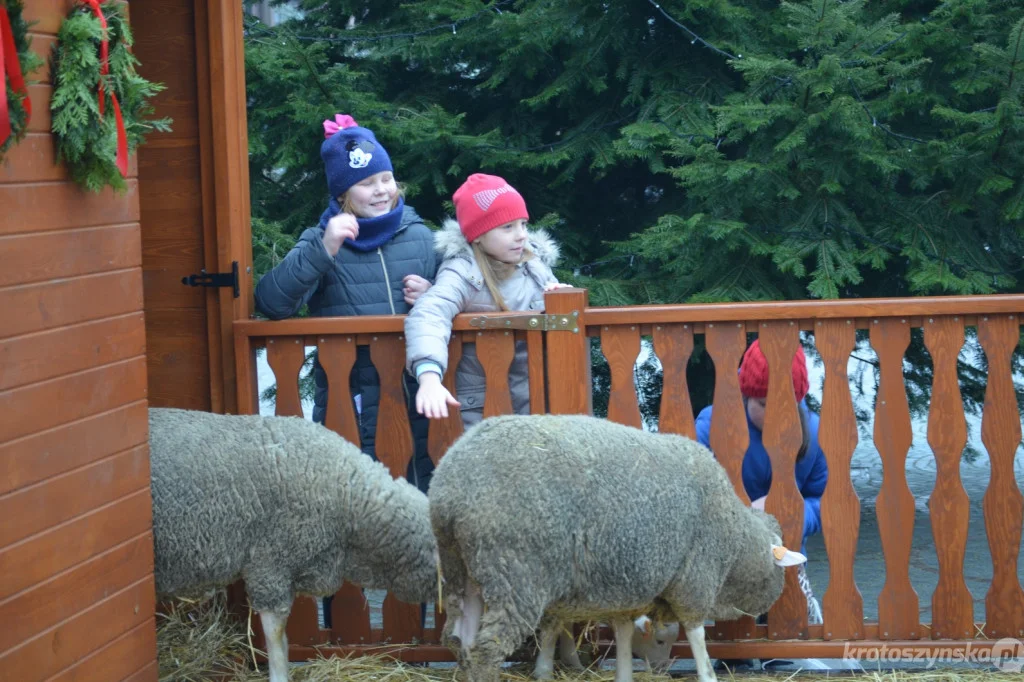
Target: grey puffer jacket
[(460, 288), (354, 283)]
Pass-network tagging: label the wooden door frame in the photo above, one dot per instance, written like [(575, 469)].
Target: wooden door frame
[(224, 144)]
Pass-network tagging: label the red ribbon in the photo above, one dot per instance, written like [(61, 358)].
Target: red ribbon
[(10, 67), (122, 137)]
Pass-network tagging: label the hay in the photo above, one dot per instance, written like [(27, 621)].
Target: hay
[(199, 641)]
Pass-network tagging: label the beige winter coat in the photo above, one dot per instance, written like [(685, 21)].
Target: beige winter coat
[(460, 288)]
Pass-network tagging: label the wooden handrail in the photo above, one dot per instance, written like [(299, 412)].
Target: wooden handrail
[(801, 310), (665, 314)]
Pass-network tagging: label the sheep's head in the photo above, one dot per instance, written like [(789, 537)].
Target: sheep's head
[(653, 642), (758, 575), (417, 581)]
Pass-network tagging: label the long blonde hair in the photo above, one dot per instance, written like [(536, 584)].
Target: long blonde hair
[(346, 202), (494, 272)]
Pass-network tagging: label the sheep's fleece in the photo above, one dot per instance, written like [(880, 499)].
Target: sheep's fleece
[(285, 503), (549, 518)]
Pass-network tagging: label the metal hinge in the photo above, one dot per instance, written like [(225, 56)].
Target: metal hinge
[(215, 279), (544, 323)]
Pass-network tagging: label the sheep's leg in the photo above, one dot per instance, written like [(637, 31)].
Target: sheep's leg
[(472, 611), (567, 652), (544, 669), (277, 643), (623, 650), (695, 636)]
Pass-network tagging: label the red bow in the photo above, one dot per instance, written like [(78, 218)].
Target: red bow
[(10, 67), (122, 137)]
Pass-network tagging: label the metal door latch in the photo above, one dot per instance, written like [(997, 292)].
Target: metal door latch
[(215, 279)]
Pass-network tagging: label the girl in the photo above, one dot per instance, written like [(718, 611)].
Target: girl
[(490, 263), (370, 255), (811, 467)]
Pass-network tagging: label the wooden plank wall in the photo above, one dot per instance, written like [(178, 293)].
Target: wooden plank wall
[(76, 557), (171, 193)]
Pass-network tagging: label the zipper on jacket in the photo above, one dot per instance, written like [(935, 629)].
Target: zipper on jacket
[(387, 281)]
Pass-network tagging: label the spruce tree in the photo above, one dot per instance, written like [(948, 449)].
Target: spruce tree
[(707, 150)]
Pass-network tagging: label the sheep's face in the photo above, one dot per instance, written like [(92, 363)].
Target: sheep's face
[(758, 576), (653, 642), (418, 581)]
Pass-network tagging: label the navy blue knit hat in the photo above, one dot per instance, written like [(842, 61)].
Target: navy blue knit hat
[(350, 154)]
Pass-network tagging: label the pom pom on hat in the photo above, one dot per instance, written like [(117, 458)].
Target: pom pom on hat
[(485, 202), (350, 153), (754, 373)]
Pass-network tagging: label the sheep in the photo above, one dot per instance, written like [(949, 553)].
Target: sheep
[(286, 504), (651, 643), (543, 520)]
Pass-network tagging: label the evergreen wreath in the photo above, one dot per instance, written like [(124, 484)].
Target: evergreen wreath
[(88, 100), (18, 106)]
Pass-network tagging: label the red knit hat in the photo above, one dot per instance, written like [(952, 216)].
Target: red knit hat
[(485, 202), (754, 373)]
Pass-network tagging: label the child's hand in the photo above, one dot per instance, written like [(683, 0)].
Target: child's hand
[(759, 503), (432, 398), (414, 286), (339, 228), (551, 286)]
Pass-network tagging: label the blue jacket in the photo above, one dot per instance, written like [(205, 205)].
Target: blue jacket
[(811, 471), (355, 283)]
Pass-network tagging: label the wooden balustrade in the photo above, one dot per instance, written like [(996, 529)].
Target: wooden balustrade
[(559, 370)]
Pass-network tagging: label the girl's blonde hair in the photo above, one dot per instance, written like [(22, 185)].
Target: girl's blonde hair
[(495, 271), (346, 202)]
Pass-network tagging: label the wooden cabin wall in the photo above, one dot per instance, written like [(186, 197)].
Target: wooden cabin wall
[(76, 556)]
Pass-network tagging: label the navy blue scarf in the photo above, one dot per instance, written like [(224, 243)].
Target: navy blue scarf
[(373, 232)]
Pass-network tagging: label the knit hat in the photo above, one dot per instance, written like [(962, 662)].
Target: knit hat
[(485, 202), (350, 153), (754, 373)]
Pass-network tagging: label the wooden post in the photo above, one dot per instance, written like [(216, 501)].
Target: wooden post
[(568, 354)]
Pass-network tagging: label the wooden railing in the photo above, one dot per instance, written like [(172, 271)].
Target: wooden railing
[(560, 383)]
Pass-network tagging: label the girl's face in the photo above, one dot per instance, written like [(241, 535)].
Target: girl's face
[(755, 410), (506, 242), (373, 196)]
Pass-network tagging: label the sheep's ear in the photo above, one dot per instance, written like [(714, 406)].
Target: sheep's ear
[(643, 624), (787, 557)]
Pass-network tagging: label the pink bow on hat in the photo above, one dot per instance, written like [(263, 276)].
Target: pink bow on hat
[(340, 122)]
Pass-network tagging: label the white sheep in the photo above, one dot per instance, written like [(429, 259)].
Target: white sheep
[(652, 643), (286, 504), (543, 520)]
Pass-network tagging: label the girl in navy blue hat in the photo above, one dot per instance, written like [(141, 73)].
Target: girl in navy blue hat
[(370, 254)]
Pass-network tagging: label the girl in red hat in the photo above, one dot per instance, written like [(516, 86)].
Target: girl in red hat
[(811, 467), (491, 263)]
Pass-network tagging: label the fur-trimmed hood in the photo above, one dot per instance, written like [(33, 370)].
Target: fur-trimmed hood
[(450, 243)]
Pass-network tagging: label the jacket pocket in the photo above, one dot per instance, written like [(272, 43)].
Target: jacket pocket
[(472, 400)]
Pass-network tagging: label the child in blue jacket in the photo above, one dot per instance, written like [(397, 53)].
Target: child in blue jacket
[(811, 467)]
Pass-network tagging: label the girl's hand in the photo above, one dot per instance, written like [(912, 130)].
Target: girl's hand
[(414, 286), (759, 503), (551, 286), (339, 228), (432, 398)]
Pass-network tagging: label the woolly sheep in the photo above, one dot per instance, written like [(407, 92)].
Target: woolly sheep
[(652, 643), (544, 520), (286, 504)]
